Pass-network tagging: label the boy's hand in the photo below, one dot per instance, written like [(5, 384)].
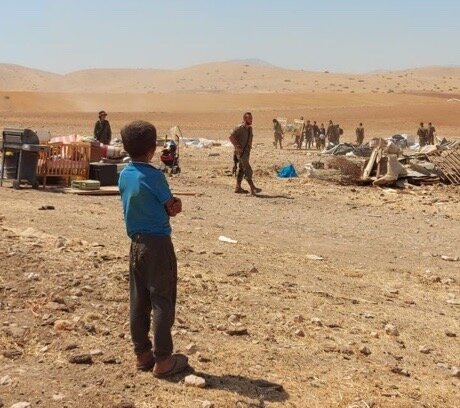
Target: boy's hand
[(174, 206)]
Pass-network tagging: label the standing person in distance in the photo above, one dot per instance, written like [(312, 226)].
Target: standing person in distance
[(241, 139), (102, 130), (360, 134), (278, 134)]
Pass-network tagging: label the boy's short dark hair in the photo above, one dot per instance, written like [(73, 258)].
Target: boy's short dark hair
[(138, 137)]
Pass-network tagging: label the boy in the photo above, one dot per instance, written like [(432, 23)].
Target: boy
[(147, 206)]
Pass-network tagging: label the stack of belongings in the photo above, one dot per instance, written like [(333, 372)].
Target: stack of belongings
[(348, 149), (446, 159), (383, 167)]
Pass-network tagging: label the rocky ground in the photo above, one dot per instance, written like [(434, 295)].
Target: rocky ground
[(333, 296)]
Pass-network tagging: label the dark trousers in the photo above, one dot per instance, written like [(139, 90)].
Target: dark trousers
[(244, 168), (152, 288)]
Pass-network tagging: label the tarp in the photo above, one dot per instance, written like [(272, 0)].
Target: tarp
[(287, 171)]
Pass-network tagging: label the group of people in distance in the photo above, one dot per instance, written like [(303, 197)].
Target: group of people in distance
[(313, 135), (426, 135)]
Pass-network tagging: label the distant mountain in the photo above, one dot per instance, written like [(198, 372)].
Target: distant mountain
[(253, 61), (238, 76)]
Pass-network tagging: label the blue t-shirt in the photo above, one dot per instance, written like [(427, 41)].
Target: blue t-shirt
[(144, 193)]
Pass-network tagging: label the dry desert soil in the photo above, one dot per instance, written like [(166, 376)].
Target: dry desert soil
[(343, 295)]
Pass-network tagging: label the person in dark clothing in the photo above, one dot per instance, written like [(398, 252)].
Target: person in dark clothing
[(102, 130)]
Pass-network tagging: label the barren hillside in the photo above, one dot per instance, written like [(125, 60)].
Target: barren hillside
[(231, 77)]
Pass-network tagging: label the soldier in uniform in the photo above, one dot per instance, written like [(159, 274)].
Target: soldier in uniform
[(308, 135), (241, 139), (360, 134), (422, 135), (299, 133), (102, 130), (431, 134), (322, 136), (278, 133), (330, 133)]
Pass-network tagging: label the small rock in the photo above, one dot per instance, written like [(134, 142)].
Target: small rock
[(455, 372), (6, 380), (375, 335), (81, 359), (191, 348), (125, 404), (64, 325), (195, 381), (111, 360), (233, 318), (202, 359), (207, 404), (12, 354), (298, 319), (450, 258), (365, 350), (21, 405), (450, 333), (347, 350), (299, 333), (237, 331), (61, 242), (58, 397), (314, 257), (425, 349), (1, 403), (400, 371), (96, 352), (391, 330), (46, 207), (316, 321)]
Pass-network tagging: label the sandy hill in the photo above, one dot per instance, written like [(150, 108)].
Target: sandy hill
[(247, 76)]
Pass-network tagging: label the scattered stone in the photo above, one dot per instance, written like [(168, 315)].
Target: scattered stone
[(207, 404), (96, 352), (450, 333), (233, 318), (347, 350), (298, 319), (203, 359), (391, 330), (125, 404), (237, 331), (6, 380), (195, 381), (315, 258), (64, 325), (71, 346), (375, 335), (1, 403), (81, 359), (316, 321), (191, 348), (365, 350), (58, 397), (450, 258), (299, 333), (111, 360), (400, 371), (12, 354), (455, 372), (46, 207), (60, 242), (425, 349), (453, 301), (21, 405)]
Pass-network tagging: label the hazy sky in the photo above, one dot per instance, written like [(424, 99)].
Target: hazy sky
[(342, 36)]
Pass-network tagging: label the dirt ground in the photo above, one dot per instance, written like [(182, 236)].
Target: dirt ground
[(375, 322)]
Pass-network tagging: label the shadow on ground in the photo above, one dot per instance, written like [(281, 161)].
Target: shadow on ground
[(260, 389)]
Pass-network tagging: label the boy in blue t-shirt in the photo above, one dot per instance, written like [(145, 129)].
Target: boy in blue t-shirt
[(147, 206)]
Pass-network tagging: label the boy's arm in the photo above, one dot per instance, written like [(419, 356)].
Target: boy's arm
[(173, 206)]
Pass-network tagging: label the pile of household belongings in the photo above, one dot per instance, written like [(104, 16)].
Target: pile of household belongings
[(387, 166), (347, 149)]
